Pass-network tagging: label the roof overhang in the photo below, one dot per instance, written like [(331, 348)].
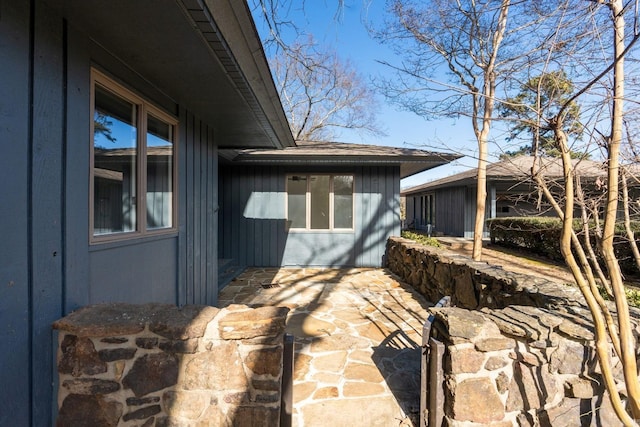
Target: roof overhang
[(203, 54), (410, 161), (512, 171)]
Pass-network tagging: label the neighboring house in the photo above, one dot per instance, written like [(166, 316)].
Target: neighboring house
[(448, 205), (116, 120)]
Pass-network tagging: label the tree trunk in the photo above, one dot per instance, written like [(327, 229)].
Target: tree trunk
[(602, 343), (627, 340), (593, 259), (481, 201), (488, 100)]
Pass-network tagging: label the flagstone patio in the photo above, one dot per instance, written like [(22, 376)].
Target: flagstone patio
[(357, 342)]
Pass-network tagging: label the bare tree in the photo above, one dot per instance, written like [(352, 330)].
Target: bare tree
[(464, 40), (630, 177), (322, 94), (282, 31), (625, 177), (610, 331), (627, 341)]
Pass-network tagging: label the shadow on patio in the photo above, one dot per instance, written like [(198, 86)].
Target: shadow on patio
[(357, 335)]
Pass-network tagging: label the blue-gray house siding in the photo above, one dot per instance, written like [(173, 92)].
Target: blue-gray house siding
[(455, 209), (173, 54), (48, 268), (174, 268), (32, 252), (253, 229), (179, 268)]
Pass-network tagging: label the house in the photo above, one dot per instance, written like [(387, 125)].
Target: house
[(448, 205), (315, 204), (141, 144)]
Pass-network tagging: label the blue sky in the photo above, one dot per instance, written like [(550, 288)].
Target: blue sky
[(347, 34)]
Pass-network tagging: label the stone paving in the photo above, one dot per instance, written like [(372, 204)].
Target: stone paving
[(357, 335)]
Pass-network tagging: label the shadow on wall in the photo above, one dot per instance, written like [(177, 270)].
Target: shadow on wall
[(253, 230), (252, 225), (367, 247)]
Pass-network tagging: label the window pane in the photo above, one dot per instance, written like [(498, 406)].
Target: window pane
[(319, 190), (115, 159), (297, 201), (343, 202), (159, 173)]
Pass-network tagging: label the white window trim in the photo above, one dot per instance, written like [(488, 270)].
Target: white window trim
[(144, 108), (331, 228)]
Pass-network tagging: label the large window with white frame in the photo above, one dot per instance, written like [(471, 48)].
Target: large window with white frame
[(320, 202), (133, 164)]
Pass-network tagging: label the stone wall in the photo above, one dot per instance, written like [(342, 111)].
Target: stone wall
[(436, 272), (517, 350), (160, 365), (521, 366)]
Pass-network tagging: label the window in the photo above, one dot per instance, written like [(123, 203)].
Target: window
[(133, 164), (320, 202)]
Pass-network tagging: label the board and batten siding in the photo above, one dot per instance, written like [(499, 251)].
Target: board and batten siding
[(470, 213), (450, 211), (48, 267), (197, 213), (455, 210), (177, 267), (410, 212), (32, 131), (253, 229)]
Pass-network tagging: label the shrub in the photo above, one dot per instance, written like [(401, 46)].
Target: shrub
[(421, 238), (541, 235), (633, 296)]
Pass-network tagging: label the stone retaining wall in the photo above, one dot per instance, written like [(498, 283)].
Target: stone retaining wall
[(437, 272), (518, 350), (160, 365)]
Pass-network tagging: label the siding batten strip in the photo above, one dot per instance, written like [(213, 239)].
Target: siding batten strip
[(15, 168), (182, 197), (45, 170), (189, 196), (30, 261)]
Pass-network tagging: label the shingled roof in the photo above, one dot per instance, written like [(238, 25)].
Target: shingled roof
[(512, 169), (411, 161)]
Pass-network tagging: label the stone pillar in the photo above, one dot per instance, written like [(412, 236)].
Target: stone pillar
[(521, 366), (160, 365)]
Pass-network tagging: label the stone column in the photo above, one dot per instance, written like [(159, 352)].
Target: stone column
[(160, 365)]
